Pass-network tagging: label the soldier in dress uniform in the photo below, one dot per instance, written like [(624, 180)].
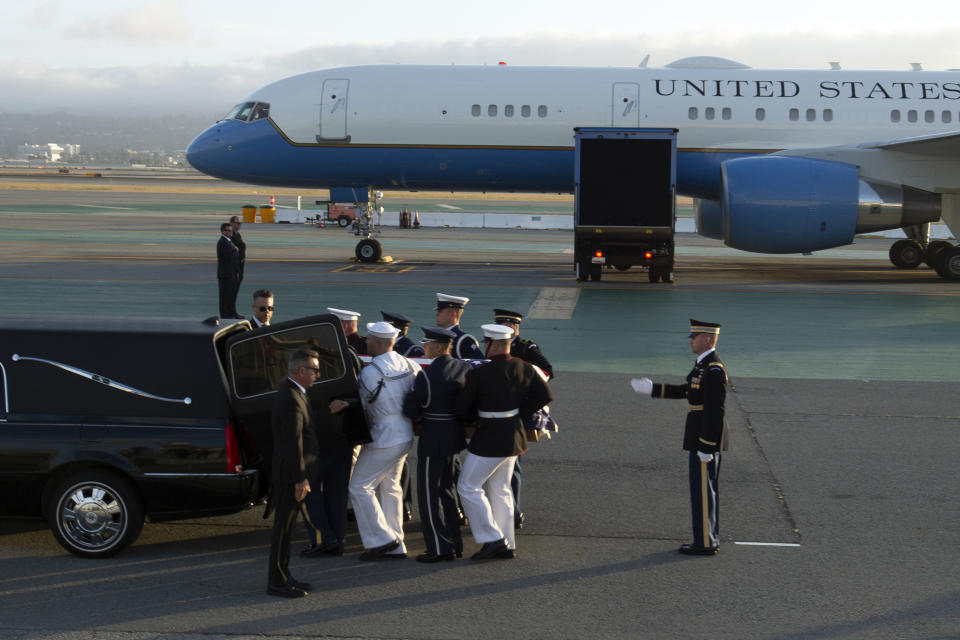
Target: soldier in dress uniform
[(375, 484), (500, 396), (404, 345), (409, 349), (525, 349), (705, 435), (449, 311), (348, 320), (431, 404)]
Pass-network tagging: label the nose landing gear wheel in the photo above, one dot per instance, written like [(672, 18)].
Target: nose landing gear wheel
[(368, 250)]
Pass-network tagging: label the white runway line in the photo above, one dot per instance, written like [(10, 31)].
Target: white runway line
[(103, 206), (768, 544), (555, 303)]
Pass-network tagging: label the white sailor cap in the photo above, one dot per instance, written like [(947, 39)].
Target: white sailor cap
[(343, 314), (444, 301), (496, 332), (382, 330)]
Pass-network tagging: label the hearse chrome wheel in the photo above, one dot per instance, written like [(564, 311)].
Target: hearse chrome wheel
[(95, 514)]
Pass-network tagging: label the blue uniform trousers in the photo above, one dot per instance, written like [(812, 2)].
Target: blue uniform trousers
[(705, 500), (437, 499), (325, 507)]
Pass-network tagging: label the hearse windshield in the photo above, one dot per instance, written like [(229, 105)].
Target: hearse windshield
[(249, 111)]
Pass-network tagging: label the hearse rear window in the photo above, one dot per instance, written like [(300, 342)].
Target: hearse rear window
[(259, 364)]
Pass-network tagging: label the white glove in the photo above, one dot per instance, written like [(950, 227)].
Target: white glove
[(705, 457), (642, 385)]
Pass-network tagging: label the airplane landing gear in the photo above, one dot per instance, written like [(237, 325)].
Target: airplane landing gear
[(369, 248), (947, 263), (906, 254)]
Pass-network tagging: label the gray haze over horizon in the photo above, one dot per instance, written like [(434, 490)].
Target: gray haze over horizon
[(185, 88)]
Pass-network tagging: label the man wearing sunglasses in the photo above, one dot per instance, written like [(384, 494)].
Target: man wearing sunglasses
[(262, 308)]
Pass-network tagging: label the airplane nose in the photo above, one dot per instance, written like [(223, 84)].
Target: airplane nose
[(202, 151)]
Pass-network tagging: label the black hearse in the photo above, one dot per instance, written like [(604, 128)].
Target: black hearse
[(107, 421)]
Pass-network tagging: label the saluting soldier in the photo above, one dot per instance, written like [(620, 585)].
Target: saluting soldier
[(705, 435), (500, 396), (348, 320), (404, 345), (431, 404), (525, 349), (449, 311)]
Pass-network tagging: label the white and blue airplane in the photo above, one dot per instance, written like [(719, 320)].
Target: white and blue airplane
[(781, 161)]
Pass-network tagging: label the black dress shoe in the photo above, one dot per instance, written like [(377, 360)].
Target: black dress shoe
[(303, 586), (430, 557), (507, 554), (697, 550), (378, 552), (285, 591), (327, 548), (490, 550)]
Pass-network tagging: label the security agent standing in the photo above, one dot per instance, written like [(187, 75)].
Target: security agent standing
[(383, 386), (262, 308), (449, 311), (348, 320), (525, 349), (228, 270), (404, 345), (431, 403), (500, 396), (294, 462), (237, 239), (705, 435)]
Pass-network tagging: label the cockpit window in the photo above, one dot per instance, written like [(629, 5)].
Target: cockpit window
[(249, 111)]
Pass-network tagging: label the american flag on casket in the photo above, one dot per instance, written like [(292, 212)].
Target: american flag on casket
[(541, 421)]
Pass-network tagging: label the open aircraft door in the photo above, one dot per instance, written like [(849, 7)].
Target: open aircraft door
[(333, 111), (256, 364), (626, 105)]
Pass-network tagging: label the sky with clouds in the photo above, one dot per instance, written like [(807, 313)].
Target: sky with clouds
[(202, 56)]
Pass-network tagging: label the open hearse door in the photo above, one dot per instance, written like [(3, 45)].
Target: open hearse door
[(256, 364)]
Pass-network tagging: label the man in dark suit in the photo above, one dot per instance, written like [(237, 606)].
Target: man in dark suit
[(500, 396), (235, 222), (705, 433), (295, 452), (431, 404), (228, 269)]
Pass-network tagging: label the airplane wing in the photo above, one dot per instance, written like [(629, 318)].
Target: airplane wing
[(943, 145)]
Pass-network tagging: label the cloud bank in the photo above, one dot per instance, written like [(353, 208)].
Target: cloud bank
[(211, 90)]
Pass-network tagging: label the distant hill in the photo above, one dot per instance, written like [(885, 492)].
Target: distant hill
[(100, 134)]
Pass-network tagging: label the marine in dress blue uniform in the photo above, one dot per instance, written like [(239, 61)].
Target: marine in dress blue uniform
[(449, 311), (705, 434), (348, 320), (500, 395), (431, 403), (525, 349)]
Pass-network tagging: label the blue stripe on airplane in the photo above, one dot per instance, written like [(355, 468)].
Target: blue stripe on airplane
[(258, 153)]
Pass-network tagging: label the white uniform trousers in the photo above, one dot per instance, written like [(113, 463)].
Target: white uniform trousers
[(484, 489), (377, 475)]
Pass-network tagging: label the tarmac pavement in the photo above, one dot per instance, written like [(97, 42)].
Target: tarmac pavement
[(838, 507)]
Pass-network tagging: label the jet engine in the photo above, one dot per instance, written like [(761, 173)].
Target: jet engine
[(784, 204)]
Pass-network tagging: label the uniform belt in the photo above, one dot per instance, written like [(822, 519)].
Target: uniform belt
[(439, 416), (498, 414), (695, 407)]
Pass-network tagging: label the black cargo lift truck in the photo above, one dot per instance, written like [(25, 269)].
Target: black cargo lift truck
[(625, 200)]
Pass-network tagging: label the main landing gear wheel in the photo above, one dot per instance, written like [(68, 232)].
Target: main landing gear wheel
[(95, 513), (933, 250), (906, 254), (368, 250), (948, 263)]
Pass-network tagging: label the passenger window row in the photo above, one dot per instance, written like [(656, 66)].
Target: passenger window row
[(509, 111), (929, 116)]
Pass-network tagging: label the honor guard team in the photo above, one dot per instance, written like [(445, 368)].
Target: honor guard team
[(481, 400)]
